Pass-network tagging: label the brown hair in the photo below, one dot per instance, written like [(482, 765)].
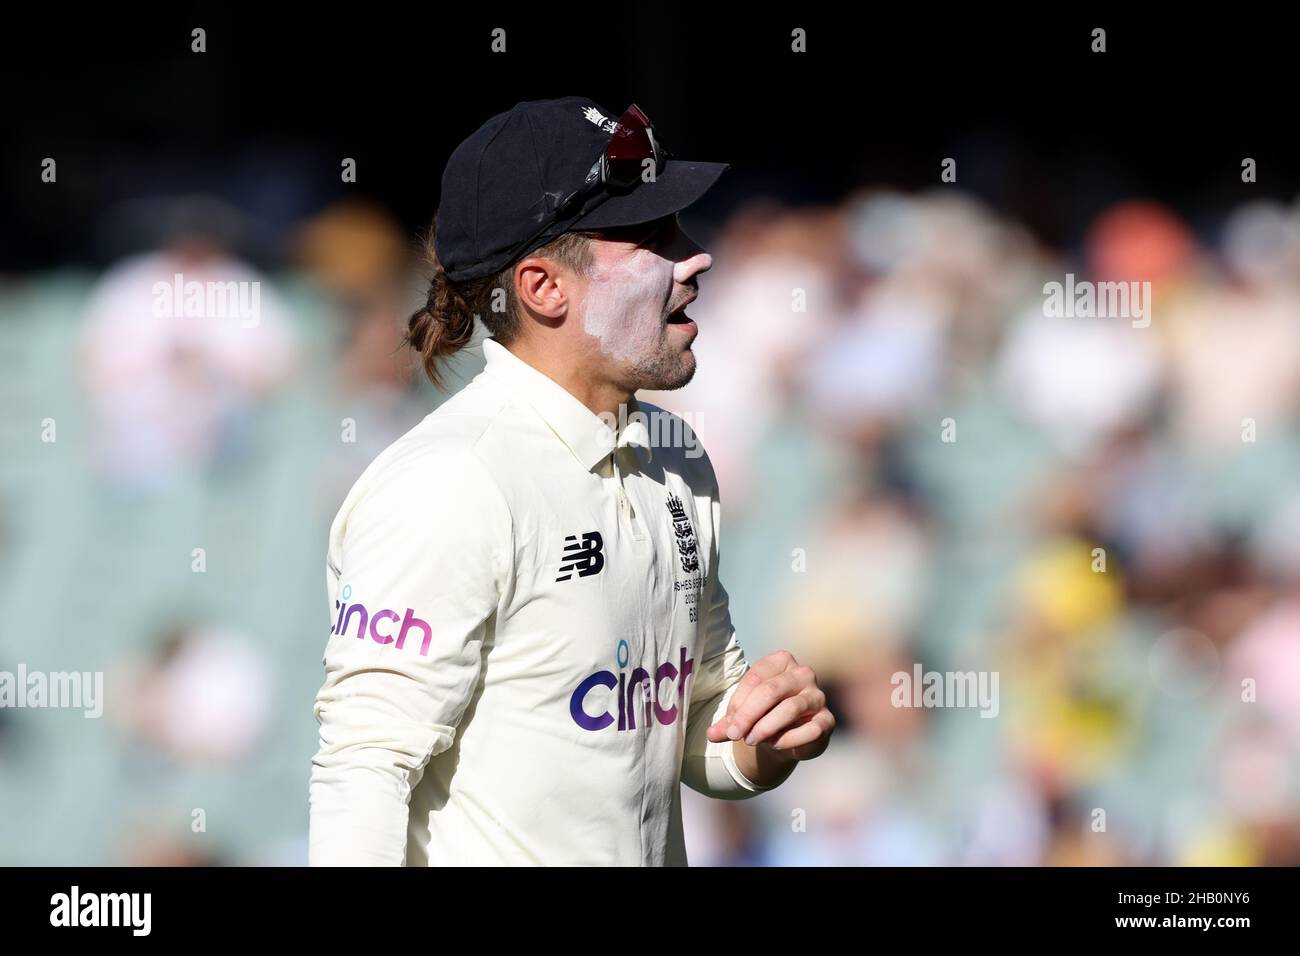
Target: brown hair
[(445, 323)]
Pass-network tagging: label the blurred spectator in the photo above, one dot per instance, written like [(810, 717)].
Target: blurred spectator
[(179, 345), (205, 697)]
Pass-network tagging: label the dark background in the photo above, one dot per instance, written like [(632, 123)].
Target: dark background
[(1042, 127)]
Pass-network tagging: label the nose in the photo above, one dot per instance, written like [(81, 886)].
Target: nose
[(689, 258)]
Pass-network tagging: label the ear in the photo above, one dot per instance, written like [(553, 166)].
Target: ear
[(543, 286)]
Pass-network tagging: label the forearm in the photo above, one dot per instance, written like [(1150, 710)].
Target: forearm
[(358, 817), (710, 768), (762, 765)]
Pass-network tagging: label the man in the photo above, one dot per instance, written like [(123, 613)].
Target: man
[(530, 647)]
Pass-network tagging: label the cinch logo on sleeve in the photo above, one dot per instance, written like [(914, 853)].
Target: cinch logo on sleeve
[(367, 623), (586, 699)]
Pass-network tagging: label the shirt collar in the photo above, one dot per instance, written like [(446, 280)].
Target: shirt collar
[(584, 433)]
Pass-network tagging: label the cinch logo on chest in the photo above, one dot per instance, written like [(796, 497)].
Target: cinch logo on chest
[(626, 687), (582, 556)]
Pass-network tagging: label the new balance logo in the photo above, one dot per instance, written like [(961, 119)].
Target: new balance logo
[(582, 556)]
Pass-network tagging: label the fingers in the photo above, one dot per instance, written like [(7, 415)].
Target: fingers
[(765, 668), (717, 733), (753, 677), (779, 718), (768, 695), (815, 729)]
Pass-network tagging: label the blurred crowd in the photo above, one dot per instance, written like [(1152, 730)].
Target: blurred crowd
[(919, 464)]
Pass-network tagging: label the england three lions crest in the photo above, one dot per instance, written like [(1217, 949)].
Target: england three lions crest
[(686, 547)]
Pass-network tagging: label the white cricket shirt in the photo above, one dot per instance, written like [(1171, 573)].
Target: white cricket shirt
[(528, 639)]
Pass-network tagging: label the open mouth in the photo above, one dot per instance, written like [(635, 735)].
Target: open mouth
[(679, 317)]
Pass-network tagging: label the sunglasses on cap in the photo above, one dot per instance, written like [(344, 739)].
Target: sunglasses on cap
[(621, 166)]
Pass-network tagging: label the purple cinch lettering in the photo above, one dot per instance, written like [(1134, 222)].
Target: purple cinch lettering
[(583, 719), (640, 680), (665, 671), (625, 687), (360, 609), (685, 671), (374, 626), (412, 621)]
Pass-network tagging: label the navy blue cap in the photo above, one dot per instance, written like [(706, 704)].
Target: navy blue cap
[(502, 182)]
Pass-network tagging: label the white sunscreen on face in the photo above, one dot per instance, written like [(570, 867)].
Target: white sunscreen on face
[(624, 305)]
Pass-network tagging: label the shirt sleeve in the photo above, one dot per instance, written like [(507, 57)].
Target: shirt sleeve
[(425, 556), (708, 767)]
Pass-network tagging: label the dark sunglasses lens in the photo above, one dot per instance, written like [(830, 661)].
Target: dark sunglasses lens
[(631, 138), (624, 173), (631, 146)]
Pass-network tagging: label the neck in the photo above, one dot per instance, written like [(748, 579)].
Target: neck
[(599, 395)]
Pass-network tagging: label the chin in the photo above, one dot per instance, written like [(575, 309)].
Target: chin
[(686, 374), (667, 372)]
